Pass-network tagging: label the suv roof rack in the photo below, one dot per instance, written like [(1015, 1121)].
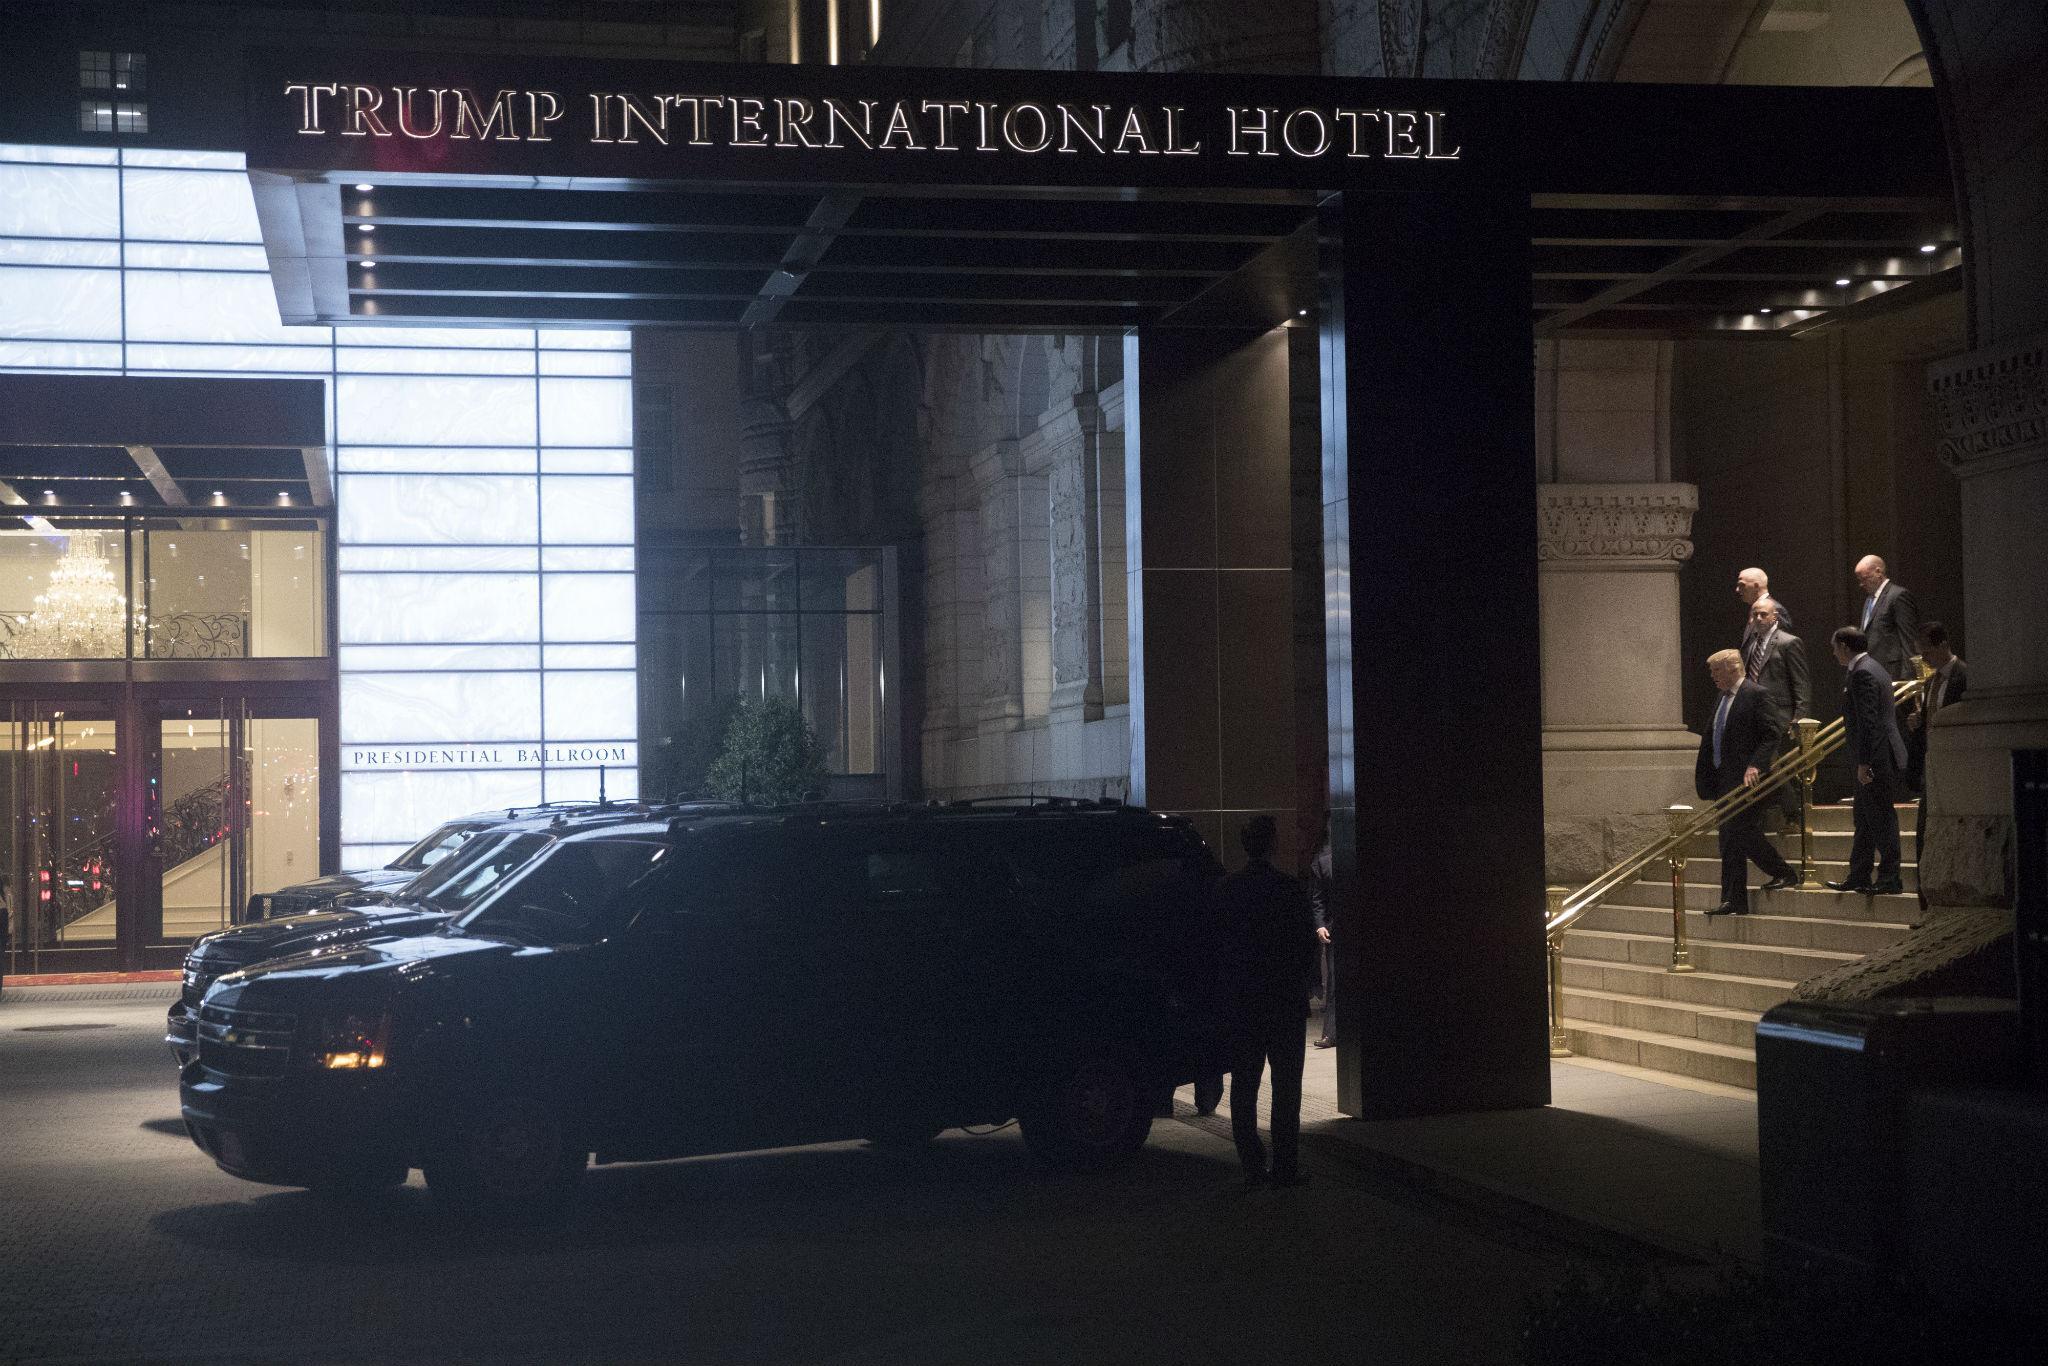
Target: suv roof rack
[(1034, 801)]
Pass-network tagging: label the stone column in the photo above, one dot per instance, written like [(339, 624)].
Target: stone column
[(1615, 746), (1991, 409), (1074, 435), (1210, 579)]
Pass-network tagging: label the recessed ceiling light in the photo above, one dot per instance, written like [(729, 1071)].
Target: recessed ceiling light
[(1842, 283), (1302, 314), (366, 227), (366, 188), (1763, 310), (1928, 248)]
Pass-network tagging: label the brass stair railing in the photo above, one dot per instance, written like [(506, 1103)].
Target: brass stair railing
[(1816, 742)]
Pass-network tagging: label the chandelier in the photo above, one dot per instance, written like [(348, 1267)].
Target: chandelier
[(83, 613)]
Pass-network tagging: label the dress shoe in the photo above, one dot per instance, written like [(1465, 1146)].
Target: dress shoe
[(1862, 887), (1326, 1043), (1725, 909), (1890, 887), (1781, 884)]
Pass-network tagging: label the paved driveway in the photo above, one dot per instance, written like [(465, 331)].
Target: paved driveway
[(119, 1241)]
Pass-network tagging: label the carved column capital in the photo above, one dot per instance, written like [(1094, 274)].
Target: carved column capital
[(1991, 406), (1615, 525)]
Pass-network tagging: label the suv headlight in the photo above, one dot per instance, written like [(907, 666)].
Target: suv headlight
[(353, 1041)]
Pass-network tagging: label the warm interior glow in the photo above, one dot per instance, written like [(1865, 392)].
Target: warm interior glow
[(337, 1062)]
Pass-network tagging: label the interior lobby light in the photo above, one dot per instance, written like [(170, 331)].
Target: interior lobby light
[(366, 188), (1763, 310), (372, 227), (1842, 283), (1927, 248)]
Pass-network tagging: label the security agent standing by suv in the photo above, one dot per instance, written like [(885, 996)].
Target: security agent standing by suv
[(937, 968), (1269, 950)]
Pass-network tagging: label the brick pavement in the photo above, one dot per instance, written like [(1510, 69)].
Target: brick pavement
[(119, 1241)]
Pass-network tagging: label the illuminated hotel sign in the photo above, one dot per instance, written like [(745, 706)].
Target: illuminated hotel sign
[(683, 121), (530, 754)]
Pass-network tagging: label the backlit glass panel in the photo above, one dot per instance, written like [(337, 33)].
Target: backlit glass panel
[(448, 507)]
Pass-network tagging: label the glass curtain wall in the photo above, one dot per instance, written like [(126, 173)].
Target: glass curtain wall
[(727, 625), (484, 542)]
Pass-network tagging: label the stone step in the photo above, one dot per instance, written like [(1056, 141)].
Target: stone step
[(1731, 1066), (1707, 870), (1723, 990), (1735, 1028), (1840, 818), (1900, 909), (1708, 955), (1855, 937), (1829, 845)]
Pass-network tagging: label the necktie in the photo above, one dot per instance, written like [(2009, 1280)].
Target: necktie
[(1720, 722), (1869, 606), (1755, 662)]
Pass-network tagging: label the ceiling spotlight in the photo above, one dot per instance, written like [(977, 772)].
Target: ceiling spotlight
[(1927, 249), (366, 188), (49, 495), (1842, 283), (372, 227), (1763, 310), (1302, 314)]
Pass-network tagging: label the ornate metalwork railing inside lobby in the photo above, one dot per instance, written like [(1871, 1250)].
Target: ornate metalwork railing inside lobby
[(174, 635), (82, 879), (1816, 743)]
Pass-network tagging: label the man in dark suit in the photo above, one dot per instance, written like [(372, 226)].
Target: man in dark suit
[(1735, 748), (1269, 950), (1753, 586), (1871, 725), (1948, 683), (1776, 659), (1889, 619)]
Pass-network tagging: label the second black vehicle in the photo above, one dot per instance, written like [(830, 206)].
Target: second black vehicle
[(465, 859)]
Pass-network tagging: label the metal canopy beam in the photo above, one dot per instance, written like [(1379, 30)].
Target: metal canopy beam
[(152, 467)]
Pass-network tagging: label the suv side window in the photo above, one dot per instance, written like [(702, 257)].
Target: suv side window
[(569, 897)]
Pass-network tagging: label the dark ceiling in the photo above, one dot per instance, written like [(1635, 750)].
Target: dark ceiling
[(1021, 262)]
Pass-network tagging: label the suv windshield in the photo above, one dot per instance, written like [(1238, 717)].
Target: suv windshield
[(454, 884), (433, 848), (572, 896)]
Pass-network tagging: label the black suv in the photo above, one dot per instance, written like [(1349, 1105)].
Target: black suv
[(488, 849), (717, 982)]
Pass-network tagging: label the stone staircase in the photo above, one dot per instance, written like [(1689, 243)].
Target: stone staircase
[(1621, 1005)]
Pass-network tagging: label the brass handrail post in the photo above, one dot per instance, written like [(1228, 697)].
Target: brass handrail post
[(1809, 762), (1553, 962), (1681, 957)]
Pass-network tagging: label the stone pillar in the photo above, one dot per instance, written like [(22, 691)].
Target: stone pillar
[(1209, 587), (997, 476), (1436, 717), (1991, 408), (1615, 748), (1074, 435)]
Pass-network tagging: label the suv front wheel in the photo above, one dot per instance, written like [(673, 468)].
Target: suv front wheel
[(1089, 1114), (507, 1159)]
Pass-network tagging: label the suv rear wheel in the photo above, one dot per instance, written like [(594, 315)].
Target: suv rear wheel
[(507, 1159), (1090, 1114)]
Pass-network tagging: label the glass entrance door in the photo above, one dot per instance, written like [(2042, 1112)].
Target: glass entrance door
[(234, 809), (60, 772)]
